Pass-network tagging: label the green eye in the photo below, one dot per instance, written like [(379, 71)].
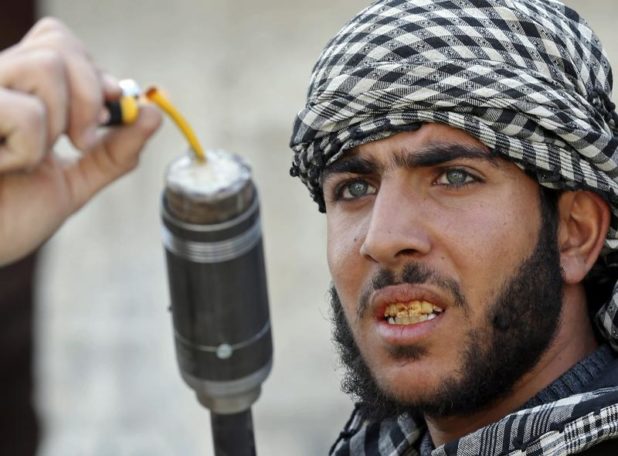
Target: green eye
[(455, 177), (355, 189)]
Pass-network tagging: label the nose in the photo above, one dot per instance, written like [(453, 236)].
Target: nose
[(398, 229)]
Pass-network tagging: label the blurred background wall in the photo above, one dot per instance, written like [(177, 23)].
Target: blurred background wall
[(107, 382)]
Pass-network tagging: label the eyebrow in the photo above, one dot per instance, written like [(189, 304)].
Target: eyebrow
[(430, 156)]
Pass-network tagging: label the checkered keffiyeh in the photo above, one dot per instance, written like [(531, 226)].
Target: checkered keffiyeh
[(528, 78), (568, 426)]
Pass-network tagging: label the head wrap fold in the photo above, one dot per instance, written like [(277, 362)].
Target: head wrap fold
[(528, 78)]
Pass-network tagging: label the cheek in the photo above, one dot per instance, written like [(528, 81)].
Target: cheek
[(508, 234), (344, 239), (490, 244)]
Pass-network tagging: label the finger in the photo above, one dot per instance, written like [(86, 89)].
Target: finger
[(117, 154), (23, 125), (52, 31), (88, 86), (40, 72), (111, 92), (111, 87), (86, 101)]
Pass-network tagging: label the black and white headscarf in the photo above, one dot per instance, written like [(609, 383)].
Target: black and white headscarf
[(528, 78), (567, 426)]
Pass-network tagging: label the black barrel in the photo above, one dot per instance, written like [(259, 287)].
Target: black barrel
[(219, 298)]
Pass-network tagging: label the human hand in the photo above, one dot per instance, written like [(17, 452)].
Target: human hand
[(49, 87)]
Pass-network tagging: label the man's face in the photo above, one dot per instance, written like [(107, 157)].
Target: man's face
[(431, 242)]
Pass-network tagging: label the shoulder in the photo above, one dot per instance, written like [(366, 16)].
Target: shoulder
[(572, 425)]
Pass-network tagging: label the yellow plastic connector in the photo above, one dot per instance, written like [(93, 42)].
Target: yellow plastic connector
[(129, 109)]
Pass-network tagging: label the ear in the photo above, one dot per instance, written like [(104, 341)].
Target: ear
[(583, 223)]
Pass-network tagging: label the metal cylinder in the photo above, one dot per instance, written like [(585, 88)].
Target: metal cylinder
[(217, 279), (233, 434)]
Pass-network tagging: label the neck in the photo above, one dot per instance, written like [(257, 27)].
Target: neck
[(574, 340)]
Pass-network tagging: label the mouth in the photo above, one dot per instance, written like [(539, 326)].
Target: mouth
[(410, 313)]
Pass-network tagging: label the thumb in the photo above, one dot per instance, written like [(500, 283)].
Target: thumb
[(116, 154)]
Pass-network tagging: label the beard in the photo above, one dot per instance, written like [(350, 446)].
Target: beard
[(519, 326)]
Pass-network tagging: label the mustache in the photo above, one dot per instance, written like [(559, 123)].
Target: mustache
[(413, 274)]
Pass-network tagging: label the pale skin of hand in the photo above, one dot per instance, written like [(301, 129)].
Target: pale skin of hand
[(49, 87)]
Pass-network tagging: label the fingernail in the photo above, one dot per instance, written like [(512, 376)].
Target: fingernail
[(104, 117), (109, 79)]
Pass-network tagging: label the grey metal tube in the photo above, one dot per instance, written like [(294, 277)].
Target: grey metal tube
[(219, 299)]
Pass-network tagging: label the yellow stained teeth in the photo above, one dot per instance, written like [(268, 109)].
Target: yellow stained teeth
[(415, 306), (411, 312)]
